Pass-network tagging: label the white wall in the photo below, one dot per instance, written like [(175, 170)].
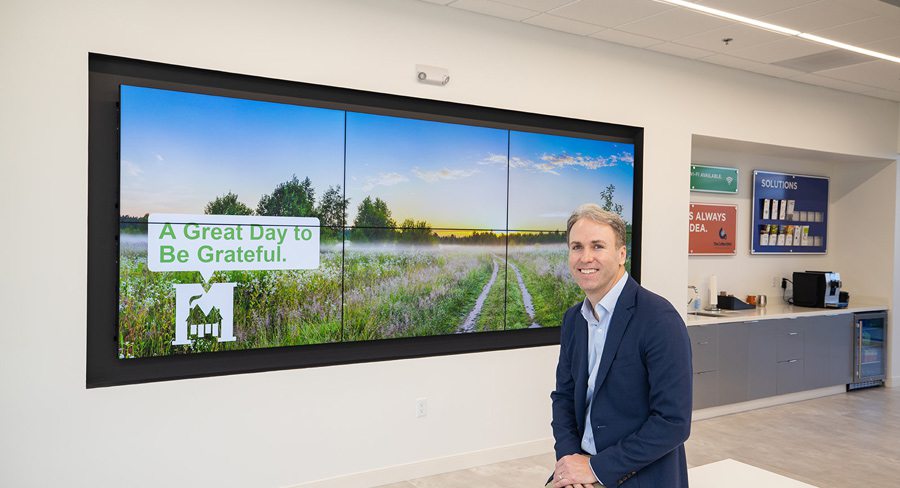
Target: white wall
[(862, 227), (290, 427)]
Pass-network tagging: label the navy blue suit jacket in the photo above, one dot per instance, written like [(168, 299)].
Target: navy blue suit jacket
[(641, 413)]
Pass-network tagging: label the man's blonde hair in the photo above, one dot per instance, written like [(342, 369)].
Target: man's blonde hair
[(593, 212)]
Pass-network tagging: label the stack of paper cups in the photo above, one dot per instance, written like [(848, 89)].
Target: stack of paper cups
[(713, 291)]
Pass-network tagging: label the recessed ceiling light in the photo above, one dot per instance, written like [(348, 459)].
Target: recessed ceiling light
[(779, 29)]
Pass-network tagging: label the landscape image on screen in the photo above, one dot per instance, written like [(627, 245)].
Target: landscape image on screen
[(549, 176), (424, 228)]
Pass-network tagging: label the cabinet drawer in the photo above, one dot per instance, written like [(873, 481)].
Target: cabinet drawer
[(789, 343), (704, 347), (706, 392), (789, 376)]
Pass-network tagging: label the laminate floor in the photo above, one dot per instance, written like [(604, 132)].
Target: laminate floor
[(845, 440)]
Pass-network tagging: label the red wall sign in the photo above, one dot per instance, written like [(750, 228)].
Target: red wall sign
[(711, 228)]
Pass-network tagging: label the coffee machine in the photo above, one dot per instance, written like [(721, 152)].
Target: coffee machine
[(817, 289)]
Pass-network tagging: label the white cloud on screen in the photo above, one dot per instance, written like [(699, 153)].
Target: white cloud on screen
[(546, 168), (514, 162), (625, 158), (443, 174), (551, 163), (384, 179), (159, 157), (131, 168), (517, 162), (563, 160), (493, 159)]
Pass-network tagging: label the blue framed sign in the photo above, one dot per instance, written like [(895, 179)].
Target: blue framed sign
[(790, 214)]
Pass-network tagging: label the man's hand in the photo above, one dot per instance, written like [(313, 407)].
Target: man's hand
[(573, 470)]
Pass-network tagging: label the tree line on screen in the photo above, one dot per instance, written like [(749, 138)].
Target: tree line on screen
[(373, 222)]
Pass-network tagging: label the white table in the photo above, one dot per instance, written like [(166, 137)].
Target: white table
[(729, 473)]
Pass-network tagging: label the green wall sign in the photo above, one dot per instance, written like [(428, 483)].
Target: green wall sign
[(714, 179)]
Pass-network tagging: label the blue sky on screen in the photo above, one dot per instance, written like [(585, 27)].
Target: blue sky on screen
[(424, 170), (181, 150), (551, 175)]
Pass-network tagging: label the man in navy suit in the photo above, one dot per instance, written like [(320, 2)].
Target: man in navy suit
[(622, 403)]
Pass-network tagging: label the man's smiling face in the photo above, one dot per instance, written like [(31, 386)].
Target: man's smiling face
[(595, 261)]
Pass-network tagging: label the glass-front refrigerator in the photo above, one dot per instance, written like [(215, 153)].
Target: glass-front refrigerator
[(869, 349)]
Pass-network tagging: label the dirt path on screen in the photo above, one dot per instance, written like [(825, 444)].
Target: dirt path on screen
[(469, 324), (526, 297)]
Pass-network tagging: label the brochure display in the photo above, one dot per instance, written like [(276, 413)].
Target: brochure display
[(790, 214)]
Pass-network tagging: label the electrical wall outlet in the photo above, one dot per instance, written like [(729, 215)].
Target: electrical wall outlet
[(776, 281), (421, 407)]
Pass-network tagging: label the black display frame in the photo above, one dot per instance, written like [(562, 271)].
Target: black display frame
[(106, 73)]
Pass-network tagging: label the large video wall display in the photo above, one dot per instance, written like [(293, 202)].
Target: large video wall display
[(287, 225)]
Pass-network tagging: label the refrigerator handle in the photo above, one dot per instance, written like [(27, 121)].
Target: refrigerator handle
[(859, 348)]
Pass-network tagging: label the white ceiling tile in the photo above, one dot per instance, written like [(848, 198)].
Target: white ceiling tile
[(776, 71), (681, 51), (753, 8), (786, 48), (730, 61), (620, 37), (880, 74), (747, 65), (864, 31), (610, 13), (496, 9), (565, 25), (888, 46), (742, 36), (648, 24), (880, 8), (673, 24), (818, 15), (538, 5), (885, 94), (827, 82)]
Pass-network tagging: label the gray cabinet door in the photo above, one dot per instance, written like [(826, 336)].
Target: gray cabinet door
[(828, 351), (734, 361), (704, 347), (817, 339), (762, 359), (841, 348)]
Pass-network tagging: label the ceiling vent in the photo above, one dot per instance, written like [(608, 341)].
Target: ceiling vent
[(837, 58)]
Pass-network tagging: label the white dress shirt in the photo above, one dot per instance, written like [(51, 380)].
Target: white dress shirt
[(597, 330)]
